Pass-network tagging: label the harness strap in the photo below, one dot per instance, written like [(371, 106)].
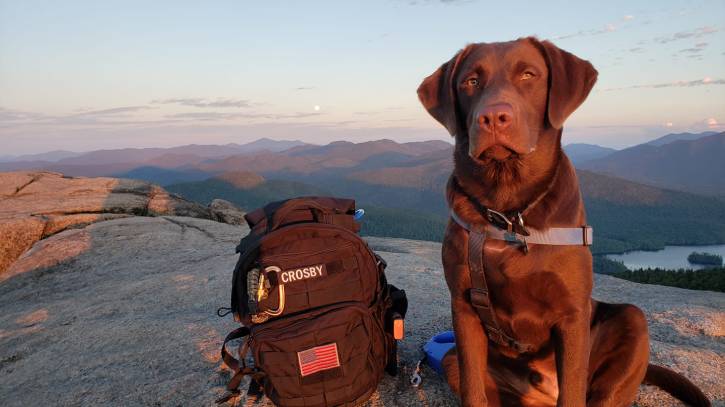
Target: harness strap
[(480, 299), (479, 294), (581, 236), (511, 229)]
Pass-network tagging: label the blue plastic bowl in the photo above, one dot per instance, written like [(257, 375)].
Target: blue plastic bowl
[(436, 349)]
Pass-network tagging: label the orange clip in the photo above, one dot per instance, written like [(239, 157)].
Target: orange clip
[(398, 327)]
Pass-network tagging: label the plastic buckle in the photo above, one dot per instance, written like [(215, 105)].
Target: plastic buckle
[(585, 235)]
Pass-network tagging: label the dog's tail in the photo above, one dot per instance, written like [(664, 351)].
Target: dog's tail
[(677, 385)]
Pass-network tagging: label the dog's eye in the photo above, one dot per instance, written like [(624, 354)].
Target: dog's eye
[(473, 82), (527, 75)]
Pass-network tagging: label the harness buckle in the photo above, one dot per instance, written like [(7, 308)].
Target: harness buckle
[(513, 237), (586, 235), (500, 220), (520, 226), (479, 298), (520, 220)]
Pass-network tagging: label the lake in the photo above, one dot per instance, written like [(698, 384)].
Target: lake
[(671, 257)]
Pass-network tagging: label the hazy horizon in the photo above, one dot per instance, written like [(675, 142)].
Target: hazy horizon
[(85, 75), (449, 140)]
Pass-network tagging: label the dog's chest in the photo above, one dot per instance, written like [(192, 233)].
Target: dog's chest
[(526, 290)]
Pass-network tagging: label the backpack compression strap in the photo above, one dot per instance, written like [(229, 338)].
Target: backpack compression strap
[(239, 367)]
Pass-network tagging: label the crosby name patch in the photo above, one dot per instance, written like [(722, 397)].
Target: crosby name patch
[(302, 273)]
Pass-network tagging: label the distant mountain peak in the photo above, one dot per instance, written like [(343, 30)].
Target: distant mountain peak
[(699, 166), (586, 145), (51, 156), (582, 152), (672, 137), (266, 143)]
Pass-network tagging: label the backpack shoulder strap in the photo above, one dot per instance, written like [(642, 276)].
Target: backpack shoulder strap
[(239, 367), (228, 359)]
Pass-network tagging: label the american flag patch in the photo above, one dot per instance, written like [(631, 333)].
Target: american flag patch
[(318, 358)]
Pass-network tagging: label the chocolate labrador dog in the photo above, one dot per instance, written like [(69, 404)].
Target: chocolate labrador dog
[(515, 252)]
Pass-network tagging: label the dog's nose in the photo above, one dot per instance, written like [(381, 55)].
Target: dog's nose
[(496, 117)]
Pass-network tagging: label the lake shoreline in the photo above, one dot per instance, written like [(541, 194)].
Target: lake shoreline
[(659, 249), (672, 257)]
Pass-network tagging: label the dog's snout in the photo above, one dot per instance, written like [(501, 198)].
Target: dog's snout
[(496, 117)]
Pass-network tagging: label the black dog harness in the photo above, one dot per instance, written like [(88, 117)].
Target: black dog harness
[(510, 229)]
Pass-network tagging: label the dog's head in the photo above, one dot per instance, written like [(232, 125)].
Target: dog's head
[(505, 101)]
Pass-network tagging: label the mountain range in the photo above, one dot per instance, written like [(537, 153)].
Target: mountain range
[(108, 162), (626, 215), (50, 156), (690, 165), (414, 164), (639, 197), (669, 138)]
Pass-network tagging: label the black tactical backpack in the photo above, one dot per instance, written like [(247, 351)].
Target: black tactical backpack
[(318, 316)]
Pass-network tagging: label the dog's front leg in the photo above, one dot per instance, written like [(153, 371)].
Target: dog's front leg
[(472, 349), (572, 359)]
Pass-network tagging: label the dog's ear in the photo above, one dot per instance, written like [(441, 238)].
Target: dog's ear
[(437, 92), (570, 81)]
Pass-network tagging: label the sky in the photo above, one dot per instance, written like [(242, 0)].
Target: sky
[(86, 75)]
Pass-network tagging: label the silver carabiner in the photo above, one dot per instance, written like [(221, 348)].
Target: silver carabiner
[(415, 379)]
